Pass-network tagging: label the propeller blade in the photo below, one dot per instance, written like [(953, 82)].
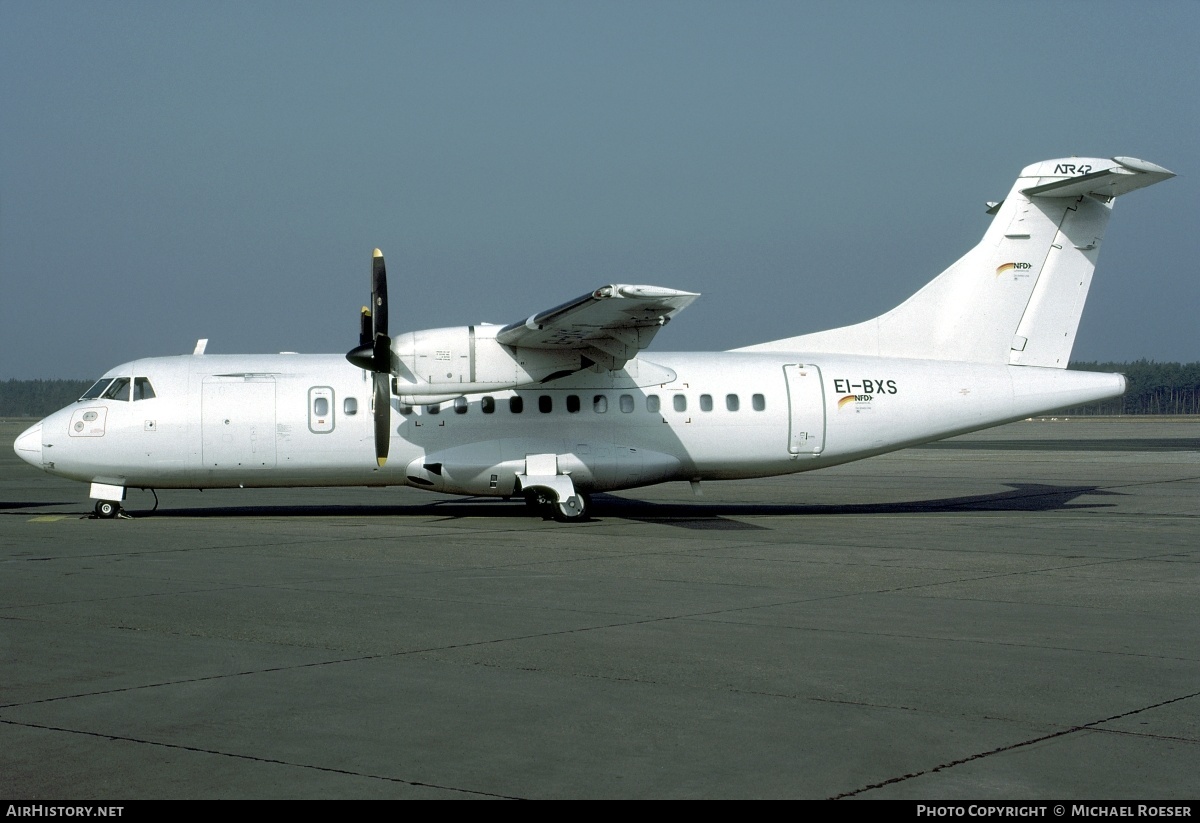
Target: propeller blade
[(383, 417), (374, 354), (379, 301), (366, 333), (374, 350)]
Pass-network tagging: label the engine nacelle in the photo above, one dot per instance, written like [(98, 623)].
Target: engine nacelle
[(438, 364)]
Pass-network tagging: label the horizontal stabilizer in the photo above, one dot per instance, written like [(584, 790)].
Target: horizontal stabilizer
[(1125, 175)]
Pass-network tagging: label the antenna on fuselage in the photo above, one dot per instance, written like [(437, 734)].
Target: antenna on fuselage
[(201, 345)]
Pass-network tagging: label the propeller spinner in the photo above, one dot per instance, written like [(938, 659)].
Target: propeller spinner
[(374, 353)]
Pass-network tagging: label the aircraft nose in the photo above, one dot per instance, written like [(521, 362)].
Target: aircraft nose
[(28, 445)]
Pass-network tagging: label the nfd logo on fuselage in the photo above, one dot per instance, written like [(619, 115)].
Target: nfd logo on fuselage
[(859, 394)]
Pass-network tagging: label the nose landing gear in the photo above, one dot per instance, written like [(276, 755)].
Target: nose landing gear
[(108, 509)]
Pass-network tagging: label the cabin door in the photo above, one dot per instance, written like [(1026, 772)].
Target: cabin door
[(238, 422), (806, 409)]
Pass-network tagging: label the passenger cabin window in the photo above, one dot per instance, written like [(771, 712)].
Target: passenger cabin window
[(142, 390), (321, 406), (117, 390), (758, 402), (652, 403), (731, 402), (679, 401), (516, 405), (350, 406), (626, 403), (706, 402), (600, 403), (487, 404), (434, 408), (460, 405), (573, 403), (545, 403)]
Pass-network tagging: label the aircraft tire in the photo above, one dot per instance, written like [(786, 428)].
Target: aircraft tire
[(107, 509), (573, 509)]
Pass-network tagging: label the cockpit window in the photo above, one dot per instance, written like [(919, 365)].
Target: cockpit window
[(117, 390), (142, 390), (96, 389)]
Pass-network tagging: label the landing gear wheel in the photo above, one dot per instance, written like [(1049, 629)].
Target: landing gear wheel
[(573, 509), (107, 509)]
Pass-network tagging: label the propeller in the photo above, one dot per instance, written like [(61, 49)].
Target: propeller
[(374, 353)]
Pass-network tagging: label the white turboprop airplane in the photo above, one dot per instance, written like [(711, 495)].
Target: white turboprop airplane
[(563, 404)]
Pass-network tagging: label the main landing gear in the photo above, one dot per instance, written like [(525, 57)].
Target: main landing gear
[(572, 509), (552, 491)]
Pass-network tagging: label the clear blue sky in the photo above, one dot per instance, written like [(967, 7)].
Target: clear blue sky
[(178, 170)]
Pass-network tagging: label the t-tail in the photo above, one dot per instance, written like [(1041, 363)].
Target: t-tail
[(1016, 298)]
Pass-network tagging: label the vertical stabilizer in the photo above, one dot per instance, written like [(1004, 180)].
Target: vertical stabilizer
[(1016, 298)]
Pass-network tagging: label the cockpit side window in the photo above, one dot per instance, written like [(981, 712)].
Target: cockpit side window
[(96, 390), (142, 390), (117, 390)]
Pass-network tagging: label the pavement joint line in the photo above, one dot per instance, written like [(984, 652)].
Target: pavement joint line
[(1151, 736), (341, 661), (267, 760), (584, 629), (1001, 749), (973, 640)]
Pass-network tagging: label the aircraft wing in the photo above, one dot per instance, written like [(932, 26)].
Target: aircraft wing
[(609, 326)]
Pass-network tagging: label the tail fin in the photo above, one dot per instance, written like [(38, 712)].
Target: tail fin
[(1017, 297)]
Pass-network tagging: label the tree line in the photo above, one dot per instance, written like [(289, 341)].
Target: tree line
[(37, 398), (1153, 388)]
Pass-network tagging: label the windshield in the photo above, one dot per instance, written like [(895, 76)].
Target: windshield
[(97, 389), (119, 390)]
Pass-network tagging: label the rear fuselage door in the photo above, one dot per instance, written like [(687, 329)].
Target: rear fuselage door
[(806, 409)]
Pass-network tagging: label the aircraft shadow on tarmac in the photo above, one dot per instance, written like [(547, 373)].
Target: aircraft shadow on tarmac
[(1130, 444), (1021, 497)]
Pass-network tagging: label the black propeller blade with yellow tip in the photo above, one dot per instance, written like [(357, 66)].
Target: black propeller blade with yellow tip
[(374, 353)]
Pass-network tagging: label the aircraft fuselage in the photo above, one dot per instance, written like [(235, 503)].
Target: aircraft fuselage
[(285, 420)]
